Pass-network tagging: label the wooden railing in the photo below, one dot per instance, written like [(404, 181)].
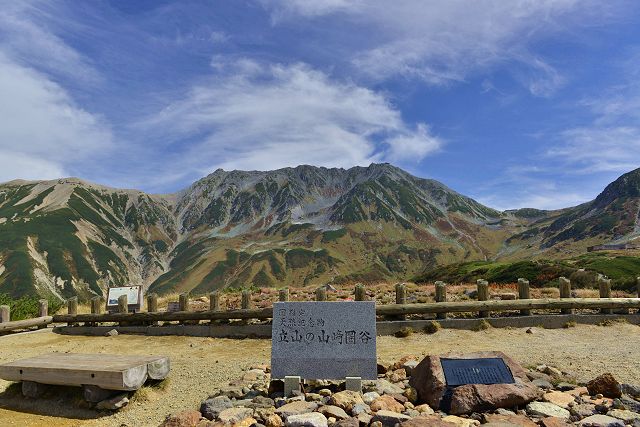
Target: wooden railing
[(483, 306)]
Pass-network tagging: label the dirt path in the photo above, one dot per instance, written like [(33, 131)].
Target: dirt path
[(200, 365)]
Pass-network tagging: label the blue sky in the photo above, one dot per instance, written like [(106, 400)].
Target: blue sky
[(514, 103)]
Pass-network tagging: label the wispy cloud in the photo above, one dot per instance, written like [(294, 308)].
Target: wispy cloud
[(261, 116), (442, 43)]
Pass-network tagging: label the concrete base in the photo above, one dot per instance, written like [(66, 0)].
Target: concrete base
[(550, 321), (353, 384), (291, 385)]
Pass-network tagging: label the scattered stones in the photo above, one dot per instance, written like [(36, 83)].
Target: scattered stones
[(234, 415), (386, 403), (389, 418), (273, 420), (311, 419), (559, 398), (461, 422), (182, 419), (553, 422), (333, 411), (385, 387), (346, 399), (600, 421), (624, 415), (516, 420), (296, 408), (606, 385), (546, 409), (211, 408), (114, 403), (111, 333), (369, 397)]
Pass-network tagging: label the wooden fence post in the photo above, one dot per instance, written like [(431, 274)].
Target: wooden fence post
[(72, 308), (283, 294), (483, 295), (524, 293), (43, 310), (321, 294), (152, 307), (96, 305), (360, 292), (214, 301), (401, 298), (246, 299), (183, 302), (441, 296), (605, 292), (152, 303), (565, 292), (5, 313)]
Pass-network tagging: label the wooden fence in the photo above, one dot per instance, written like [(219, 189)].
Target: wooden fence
[(440, 309)]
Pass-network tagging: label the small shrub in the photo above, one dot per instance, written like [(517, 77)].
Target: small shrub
[(432, 327), (612, 322), (570, 324), (483, 325), (404, 332)]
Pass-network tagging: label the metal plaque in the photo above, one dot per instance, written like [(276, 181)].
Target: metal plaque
[(476, 371)]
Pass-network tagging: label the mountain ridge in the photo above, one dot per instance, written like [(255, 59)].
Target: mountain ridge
[(292, 226)]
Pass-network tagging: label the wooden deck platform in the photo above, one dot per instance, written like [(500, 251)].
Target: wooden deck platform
[(106, 371)]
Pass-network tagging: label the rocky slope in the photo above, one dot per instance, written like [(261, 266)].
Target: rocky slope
[(293, 226)]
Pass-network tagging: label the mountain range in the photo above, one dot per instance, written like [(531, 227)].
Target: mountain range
[(289, 227)]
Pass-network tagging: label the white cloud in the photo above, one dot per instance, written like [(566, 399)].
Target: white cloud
[(41, 129), (29, 38), (442, 42), (257, 116)]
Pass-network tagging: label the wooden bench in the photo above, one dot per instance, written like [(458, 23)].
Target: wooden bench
[(93, 372)]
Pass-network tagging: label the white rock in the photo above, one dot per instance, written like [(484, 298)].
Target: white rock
[(546, 409), (311, 419)]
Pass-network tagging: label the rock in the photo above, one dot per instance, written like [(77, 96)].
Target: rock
[(507, 296), (409, 366), (296, 408), (234, 415), (385, 387), (325, 392), (630, 389), (247, 422), (516, 420), (424, 409), (554, 372), (111, 333), (365, 419), (600, 421), (386, 403), (261, 402), (559, 398), (383, 367), (411, 394), (535, 375), (182, 419), (349, 422), (583, 410), (624, 415), (376, 424), (360, 408), (389, 418), (546, 409), (479, 397), (461, 422), (629, 403), (114, 403), (429, 381), (232, 392), (411, 413), (605, 384), (346, 399), (273, 420), (530, 331), (427, 421), (368, 398), (566, 386), (311, 419), (333, 411), (211, 408), (542, 383), (578, 391), (554, 422)]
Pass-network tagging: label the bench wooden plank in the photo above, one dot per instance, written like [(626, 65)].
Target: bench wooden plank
[(107, 371)]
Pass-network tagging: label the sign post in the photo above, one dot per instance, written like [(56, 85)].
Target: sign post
[(134, 298)]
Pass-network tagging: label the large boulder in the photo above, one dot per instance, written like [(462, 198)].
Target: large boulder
[(606, 385), (429, 381)]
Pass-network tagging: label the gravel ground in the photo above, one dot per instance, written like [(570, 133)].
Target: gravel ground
[(200, 365)]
